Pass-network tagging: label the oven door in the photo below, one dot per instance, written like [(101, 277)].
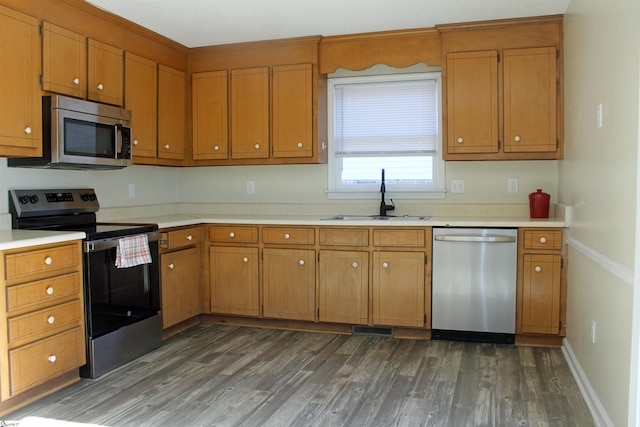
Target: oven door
[(118, 297)]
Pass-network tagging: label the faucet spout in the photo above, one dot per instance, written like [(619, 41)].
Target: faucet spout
[(384, 207)]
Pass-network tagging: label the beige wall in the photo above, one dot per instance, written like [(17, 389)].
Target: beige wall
[(598, 178)]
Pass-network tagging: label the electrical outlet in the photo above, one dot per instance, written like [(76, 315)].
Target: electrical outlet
[(457, 185), (593, 331), (512, 185), (251, 187)]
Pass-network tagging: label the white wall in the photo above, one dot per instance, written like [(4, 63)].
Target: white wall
[(598, 178)]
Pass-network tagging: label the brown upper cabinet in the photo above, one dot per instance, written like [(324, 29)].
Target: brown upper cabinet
[(105, 73), (64, 61), (209, 112), (250, 113), (141, 97), (276, 103), (171, 113), (503, 89), (21, 107)]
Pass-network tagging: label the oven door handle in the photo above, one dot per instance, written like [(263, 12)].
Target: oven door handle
[(104, 244)]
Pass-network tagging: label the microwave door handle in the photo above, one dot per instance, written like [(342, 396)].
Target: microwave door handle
[(118, 140)]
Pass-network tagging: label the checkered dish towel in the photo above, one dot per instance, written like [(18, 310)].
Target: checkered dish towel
[(132, 251)]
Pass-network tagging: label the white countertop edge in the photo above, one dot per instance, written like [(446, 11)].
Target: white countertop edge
[(180, 220), (15, 239)]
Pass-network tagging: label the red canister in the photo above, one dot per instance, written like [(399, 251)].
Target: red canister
[(539, 204)]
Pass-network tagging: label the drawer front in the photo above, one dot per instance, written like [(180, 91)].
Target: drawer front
[(233, 234), (42, 262), (543, 239), (43, 360), (289, 235), (42, 293), (183, 238), (406, 238), (45, 322), (344, 236)]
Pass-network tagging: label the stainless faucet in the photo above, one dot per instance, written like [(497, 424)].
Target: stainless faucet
[(384, 207)]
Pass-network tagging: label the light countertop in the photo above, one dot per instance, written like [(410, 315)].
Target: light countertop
[(15, 239), (179, 220)]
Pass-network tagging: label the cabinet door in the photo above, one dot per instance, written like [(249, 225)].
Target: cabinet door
[(105, 73), (171, 113), (250, 113), (210, 130), (180, 274), (64, 61), (292, 111), (472, 102), (289, 283), (398, 288), (541, 293), (234, 280), (141, 97), (343, 291), (530, 100), (21, 106)]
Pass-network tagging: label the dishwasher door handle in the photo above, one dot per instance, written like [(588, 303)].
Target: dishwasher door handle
[(475, 239)]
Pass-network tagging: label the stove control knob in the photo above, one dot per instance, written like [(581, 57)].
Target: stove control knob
[(33, 199), (84, 197), (24, 199), (92, 197)]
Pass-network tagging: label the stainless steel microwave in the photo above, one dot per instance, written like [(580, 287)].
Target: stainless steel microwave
[(78, 134)]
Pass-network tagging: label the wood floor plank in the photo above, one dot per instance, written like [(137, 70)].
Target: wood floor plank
[(213, 375)]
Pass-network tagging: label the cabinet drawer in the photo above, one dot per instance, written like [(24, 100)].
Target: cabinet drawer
[(289, 235), (344, 236), (42, 293), (45, 322), (543, 239), (233, 234), (182, 238), (43, 360), (407, 238), (42, 262)]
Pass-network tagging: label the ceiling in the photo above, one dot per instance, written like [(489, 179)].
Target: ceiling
[(195, 23)]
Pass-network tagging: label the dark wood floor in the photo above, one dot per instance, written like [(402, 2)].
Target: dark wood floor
[(227, 376)]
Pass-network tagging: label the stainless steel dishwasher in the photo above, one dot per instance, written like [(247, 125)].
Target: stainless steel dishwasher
[(474, 284)]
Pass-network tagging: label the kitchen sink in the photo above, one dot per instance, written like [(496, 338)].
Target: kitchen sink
[(377, 217)]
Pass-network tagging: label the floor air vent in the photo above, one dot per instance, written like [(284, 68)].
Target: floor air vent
[(372, 330)]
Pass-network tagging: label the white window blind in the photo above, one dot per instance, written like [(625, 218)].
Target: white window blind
[(391, 118)]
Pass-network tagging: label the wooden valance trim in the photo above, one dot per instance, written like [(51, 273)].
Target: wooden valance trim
[(394, 48)]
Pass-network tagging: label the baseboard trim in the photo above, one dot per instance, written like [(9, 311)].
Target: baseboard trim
[(599, 414)]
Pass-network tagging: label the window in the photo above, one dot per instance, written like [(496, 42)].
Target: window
[(389, 122)]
